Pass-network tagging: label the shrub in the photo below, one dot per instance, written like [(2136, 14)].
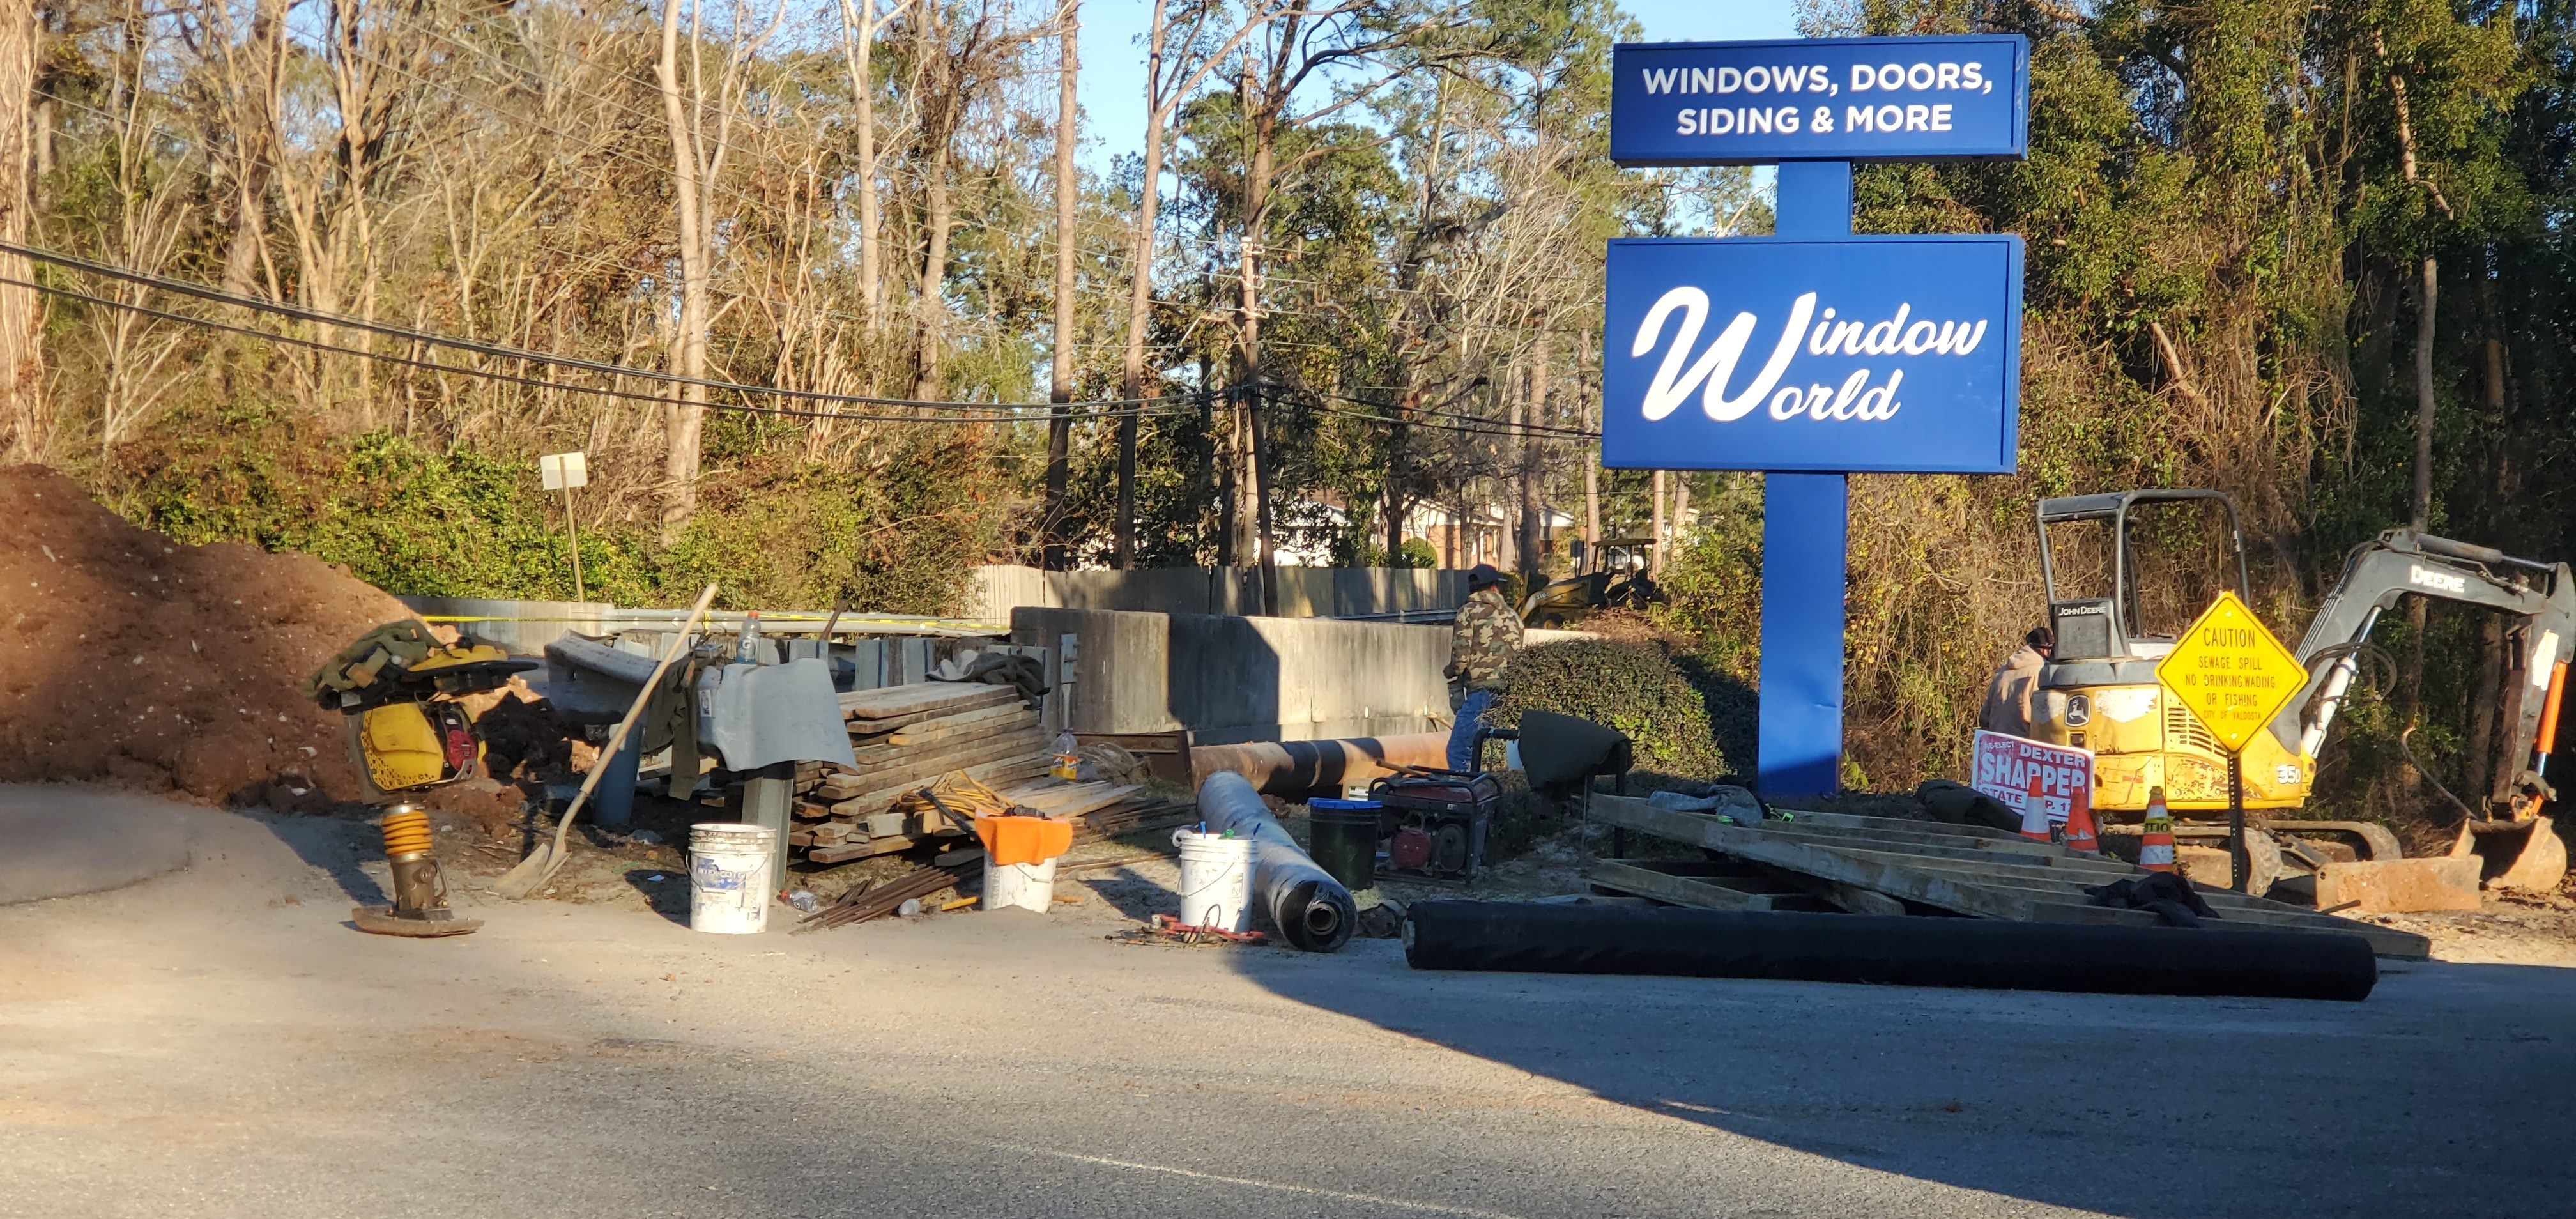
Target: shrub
[(1633, 687)]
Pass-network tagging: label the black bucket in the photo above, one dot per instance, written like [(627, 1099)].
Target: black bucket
[(1345, 840)]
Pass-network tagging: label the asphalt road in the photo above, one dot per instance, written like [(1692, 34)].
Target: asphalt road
[(218, 1042)]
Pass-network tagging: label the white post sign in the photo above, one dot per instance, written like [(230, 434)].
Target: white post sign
[(564, 471), (2016, 772)]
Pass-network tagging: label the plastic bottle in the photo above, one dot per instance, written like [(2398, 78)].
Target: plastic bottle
[(1068, 759), (748, 651)]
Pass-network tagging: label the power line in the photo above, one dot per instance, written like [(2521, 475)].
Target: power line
[(992, 413), (503, 352), (543, 383)]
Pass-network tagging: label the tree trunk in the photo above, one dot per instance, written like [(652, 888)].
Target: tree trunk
[(1060, 387), (21, 313), (1533, 512), (686, 417), (2420, 513), (1206, 447), (254, 144), (1395, 499), (1140, 286), (2485, 707), (1267, 555), (1655, 556), (860, 56), (938, 129), (1591, 483)]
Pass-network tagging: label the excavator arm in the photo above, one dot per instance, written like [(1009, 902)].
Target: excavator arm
[(2540, 599)]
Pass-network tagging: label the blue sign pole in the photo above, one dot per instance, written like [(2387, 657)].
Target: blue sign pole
[(1806, 524)]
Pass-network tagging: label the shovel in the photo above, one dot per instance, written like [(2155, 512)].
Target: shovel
[(540, 865)]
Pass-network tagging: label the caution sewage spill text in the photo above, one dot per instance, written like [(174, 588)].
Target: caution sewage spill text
[(2231, 672)]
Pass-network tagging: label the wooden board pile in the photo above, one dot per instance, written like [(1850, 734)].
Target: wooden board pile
[(1885, 865), (981, 744)]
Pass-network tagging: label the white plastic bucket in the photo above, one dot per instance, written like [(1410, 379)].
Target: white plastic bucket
[(1216, 880), (1029, 886), (729, 877)]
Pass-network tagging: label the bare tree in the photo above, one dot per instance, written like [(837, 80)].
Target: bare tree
[(1060, 380), (1174, 69), (22, 372), (700, 142), (860, 22)]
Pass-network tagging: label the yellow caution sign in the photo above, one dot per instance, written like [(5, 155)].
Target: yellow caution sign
[(2231, 672)]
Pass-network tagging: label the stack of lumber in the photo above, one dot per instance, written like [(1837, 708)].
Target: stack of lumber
[(977, 745), (1885, 865)]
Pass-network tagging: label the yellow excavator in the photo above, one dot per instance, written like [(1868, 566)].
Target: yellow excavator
[(2098, 689)]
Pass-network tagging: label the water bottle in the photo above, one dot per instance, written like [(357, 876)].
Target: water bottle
[(1068, 757), (748, 651)]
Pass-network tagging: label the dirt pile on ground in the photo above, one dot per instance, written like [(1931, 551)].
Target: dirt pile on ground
[(134, 660)]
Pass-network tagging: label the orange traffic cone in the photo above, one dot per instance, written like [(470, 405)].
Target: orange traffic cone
[(2079, 822), (2156, 847), (2034, 811)]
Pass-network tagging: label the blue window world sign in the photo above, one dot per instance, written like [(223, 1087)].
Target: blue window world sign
[(1820, 99), (1852, 354)]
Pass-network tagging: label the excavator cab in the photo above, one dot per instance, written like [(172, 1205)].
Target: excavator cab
[(2125, 572)]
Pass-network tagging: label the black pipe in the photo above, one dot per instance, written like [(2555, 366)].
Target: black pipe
[(1894, 950)]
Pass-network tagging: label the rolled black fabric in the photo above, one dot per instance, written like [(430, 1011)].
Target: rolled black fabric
[(1311, 910), (1895, 950)]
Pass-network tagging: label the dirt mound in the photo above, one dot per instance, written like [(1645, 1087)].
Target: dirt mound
[(133, 660)]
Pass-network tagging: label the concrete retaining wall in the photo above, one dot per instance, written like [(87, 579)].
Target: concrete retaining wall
[(1231, 679), (1304, 592)]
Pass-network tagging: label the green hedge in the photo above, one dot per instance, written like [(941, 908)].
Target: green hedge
[(1633, 687)]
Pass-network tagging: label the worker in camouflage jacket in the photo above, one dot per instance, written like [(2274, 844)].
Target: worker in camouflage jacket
[(1481, 642)]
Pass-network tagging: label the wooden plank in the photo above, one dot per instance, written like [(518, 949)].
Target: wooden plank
[(923, 696), (860, 850), (1856, 821), (987, 722), (1931, 847), (2235, 910), (2238, 910), (1002, 770), (922, 766), (885, 757), (875, 729), (1988, 890), (1075, 804), (1650, 878)]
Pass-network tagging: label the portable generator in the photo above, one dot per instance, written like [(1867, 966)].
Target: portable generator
[(1434, 823)]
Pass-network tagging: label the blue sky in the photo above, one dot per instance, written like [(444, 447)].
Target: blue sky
[(1113, 55)]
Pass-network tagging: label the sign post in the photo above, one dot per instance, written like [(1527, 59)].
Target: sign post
[(563, 472), (1812, 353), (2232, 673)]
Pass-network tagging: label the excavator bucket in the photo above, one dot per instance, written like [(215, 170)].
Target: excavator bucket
[(2527, 855)]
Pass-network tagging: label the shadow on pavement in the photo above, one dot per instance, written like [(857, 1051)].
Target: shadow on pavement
[(2444, 1093), (335, 846), (1130, 894)]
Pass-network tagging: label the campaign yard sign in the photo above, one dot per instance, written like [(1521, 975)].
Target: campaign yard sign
[(1820, 99), (2017, 772), (1897, 354)]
